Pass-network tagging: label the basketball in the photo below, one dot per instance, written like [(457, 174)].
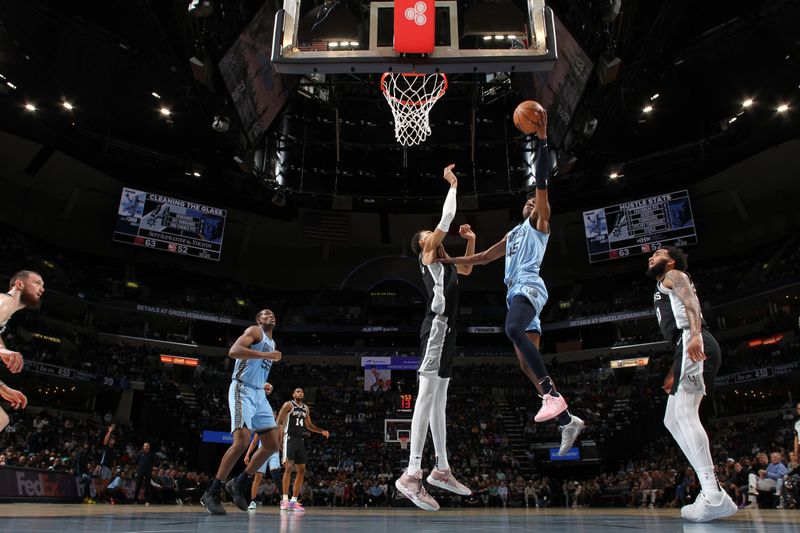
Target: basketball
[(525, 118)]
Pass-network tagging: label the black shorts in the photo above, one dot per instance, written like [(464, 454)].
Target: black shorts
[(698, 376), (294, 449), (438, 347)]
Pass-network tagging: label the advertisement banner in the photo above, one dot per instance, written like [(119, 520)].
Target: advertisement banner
[(573, 454), (74, 375), (217, 437), (25, 484), (390, 363)]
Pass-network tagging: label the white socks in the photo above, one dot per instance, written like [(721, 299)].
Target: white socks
[(683, 421), (439, 424), (429, 411)]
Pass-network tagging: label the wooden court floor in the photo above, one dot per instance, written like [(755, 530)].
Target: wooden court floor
[(51, 518)]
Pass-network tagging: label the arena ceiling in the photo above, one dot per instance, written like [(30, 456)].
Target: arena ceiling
[(118, 63)]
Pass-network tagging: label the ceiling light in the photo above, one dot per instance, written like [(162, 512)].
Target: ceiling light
[(11, 85), (156, 95), (654, 97), (487, 37), (647, 108), (196, 174), (165, 111), (344, 43), (30, 107), (732, 120), (747, 103), (613, 175), (353, 43), (2, 77), (333, 45), (782, 108), (67, 105), (499, 37)]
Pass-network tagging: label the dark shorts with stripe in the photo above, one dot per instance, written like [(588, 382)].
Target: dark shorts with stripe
[(294, 449), (437, 347), (696, 376)]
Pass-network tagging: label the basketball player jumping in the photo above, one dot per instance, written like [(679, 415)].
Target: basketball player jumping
[(697, 360), (25, 290), (294, 421), (254, 352), (273, 462), (524, 248), (438, 336)]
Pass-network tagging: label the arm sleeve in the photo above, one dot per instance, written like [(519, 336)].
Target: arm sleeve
[(541, 166), (448, 211)]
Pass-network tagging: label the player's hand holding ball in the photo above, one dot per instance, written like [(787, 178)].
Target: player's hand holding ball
[(466, 232), (530, 117), (13, 360)]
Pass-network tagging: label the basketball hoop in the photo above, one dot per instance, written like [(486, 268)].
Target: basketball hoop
[(411, 97), (403, 443)]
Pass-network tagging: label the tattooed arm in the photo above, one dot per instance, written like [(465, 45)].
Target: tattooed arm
[(682, 287)]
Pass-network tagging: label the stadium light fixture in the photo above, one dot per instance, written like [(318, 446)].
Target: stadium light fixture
[(647, 109), (67, 105), (30, 107), (747, 103), (783, 108), (165, 111)]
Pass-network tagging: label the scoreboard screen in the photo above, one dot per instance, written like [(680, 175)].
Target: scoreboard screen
[(170, 224), (639, 227)]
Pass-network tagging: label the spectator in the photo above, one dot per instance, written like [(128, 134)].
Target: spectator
[(144, 468)]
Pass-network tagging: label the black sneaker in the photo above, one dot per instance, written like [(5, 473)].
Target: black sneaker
[(238, 493), (212, 505)]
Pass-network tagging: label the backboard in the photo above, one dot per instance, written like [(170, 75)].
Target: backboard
[(488, 36), (394, 428)]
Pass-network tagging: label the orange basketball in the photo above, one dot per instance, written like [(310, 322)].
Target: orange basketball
[(525, 118)]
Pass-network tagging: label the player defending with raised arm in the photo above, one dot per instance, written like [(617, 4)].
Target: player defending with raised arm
[(294, 421), (524, 248), (273, 462), (25, 290), (438, 339), (254, 352), (697, 360)]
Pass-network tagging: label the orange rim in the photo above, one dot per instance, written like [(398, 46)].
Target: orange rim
[(413, 102)]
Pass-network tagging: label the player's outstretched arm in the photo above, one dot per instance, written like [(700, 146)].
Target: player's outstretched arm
[(241, 348), (541, 169), (485, 257), (466, 233), (311, 427), (680, 283), (434, 240)]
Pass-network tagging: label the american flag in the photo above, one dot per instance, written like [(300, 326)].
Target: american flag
[(326, 226)]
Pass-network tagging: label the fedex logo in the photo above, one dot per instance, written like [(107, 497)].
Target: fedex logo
[(29, 484)]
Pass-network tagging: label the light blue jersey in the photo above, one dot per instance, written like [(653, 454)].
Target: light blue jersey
[(254, 372), (525, 248)]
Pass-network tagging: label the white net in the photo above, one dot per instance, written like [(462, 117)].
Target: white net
[(411, 97)]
